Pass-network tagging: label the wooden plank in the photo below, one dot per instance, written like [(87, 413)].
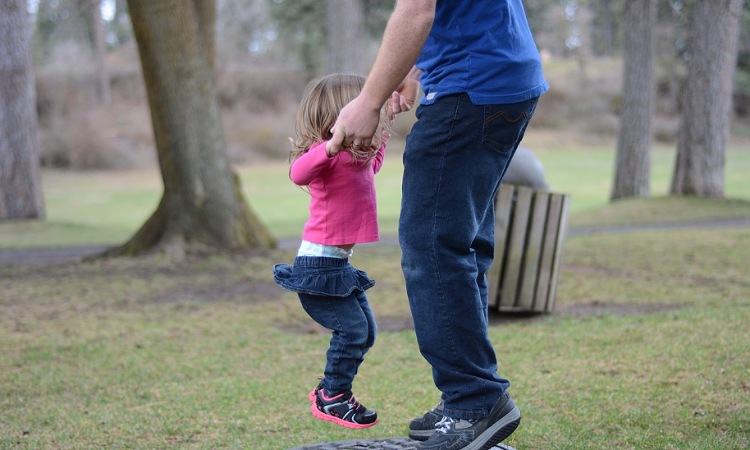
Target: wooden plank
[(533, 251), (515, 250), (503, 204), (548, 252), (530, 230), (562, 230)]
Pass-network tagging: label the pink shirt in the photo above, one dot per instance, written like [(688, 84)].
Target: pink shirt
[(343, 208)]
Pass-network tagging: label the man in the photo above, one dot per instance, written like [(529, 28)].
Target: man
[(481, 76)]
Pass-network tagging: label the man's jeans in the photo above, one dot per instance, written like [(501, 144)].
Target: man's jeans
[(332, 292), (455, 157)]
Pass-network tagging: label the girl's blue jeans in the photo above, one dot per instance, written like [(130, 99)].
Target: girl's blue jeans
[(455, 157), (332, 292)]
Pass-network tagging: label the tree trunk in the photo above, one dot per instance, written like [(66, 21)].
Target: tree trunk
[(202, 205), (345, 29), (633, 163), (102, 75), (205, 13), (707, 101), (20, 183)]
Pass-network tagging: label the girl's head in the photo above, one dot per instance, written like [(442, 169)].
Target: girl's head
[(321, 103)]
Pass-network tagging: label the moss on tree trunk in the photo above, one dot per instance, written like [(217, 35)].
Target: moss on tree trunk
[(202, 206)]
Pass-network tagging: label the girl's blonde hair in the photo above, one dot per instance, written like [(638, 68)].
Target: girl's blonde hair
[(321, 103)]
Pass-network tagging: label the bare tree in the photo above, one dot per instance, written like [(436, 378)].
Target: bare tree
[(330, 35), (245, 27), (605, 26), (345, 36), (102, 75), (633, 162), (202, 205), (707, 101), (20, 183)]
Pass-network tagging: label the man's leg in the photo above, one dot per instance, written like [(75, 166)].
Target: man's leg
[(455, 157)]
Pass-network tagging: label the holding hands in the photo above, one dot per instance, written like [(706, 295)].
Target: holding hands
[(358, 121)]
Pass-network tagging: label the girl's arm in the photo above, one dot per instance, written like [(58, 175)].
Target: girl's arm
[(310, 165)]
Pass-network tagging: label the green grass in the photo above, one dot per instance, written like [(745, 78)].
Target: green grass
[(209, 353), (647, 347), (586, 174), (87, 208), (108, 207)]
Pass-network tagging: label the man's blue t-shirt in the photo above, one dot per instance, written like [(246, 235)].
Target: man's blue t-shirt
[(483, 48)]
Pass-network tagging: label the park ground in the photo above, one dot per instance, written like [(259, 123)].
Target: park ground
[(646, 348)]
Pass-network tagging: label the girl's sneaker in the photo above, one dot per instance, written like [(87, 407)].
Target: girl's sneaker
[(342, 409)]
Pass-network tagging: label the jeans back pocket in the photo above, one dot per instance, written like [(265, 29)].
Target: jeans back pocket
[(504, 125)]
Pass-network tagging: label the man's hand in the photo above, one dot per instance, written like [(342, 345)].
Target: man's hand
[(355, 126)]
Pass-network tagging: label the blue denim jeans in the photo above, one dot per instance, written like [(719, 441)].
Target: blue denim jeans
[(455, 157), (332, 292)]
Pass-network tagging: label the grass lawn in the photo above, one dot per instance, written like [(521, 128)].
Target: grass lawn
[(85, 208), (647, 347)]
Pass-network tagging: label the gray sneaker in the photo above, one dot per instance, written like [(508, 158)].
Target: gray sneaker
[(482, 434), (421, 428)]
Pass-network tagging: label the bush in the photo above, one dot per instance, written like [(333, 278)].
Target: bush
[(260, 90), (253, 136), (76, 132), (81, 141)]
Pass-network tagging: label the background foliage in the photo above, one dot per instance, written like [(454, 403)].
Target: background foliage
[(268, 50)]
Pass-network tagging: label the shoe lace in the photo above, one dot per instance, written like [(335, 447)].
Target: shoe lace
[(444, 425), (355, 404)]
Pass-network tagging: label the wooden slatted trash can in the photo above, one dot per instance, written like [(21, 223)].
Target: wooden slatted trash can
[(530, 227)]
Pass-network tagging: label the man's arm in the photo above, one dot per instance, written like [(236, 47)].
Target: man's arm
[(403, 39)]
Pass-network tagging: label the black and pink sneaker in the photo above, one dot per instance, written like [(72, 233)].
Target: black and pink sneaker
[(342, 409)]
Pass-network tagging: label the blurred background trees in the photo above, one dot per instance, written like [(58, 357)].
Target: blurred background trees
[(707, 99), (632, 162), (20, 183), (267, 50)]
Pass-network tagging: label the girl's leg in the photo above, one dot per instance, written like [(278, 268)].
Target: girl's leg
[(350, 327), (372, 327)]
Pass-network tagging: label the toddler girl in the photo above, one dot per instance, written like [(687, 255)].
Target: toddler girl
[(342, 213)]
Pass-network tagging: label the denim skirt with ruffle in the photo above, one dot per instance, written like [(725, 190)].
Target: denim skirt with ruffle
[(319, 275)]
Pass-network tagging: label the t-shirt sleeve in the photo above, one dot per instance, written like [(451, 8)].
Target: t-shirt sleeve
[(310, 165)]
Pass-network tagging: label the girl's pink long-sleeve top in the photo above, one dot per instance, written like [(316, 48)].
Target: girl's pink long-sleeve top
[(343, 207)]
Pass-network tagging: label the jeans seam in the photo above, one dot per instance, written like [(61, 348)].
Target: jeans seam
[(442, 296), (437, 158), (335, 376)]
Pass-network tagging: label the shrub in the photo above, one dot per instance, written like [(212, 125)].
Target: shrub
[(258, 89), (81, 141), (252, 136)]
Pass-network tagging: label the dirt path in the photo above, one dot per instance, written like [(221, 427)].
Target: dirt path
[(57, 255)]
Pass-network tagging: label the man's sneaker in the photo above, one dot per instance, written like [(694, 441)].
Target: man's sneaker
[(421, 428), (342, 409), (482, 434)]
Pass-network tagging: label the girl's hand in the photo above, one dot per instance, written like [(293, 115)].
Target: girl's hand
[(404, 97), (331, 150)]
